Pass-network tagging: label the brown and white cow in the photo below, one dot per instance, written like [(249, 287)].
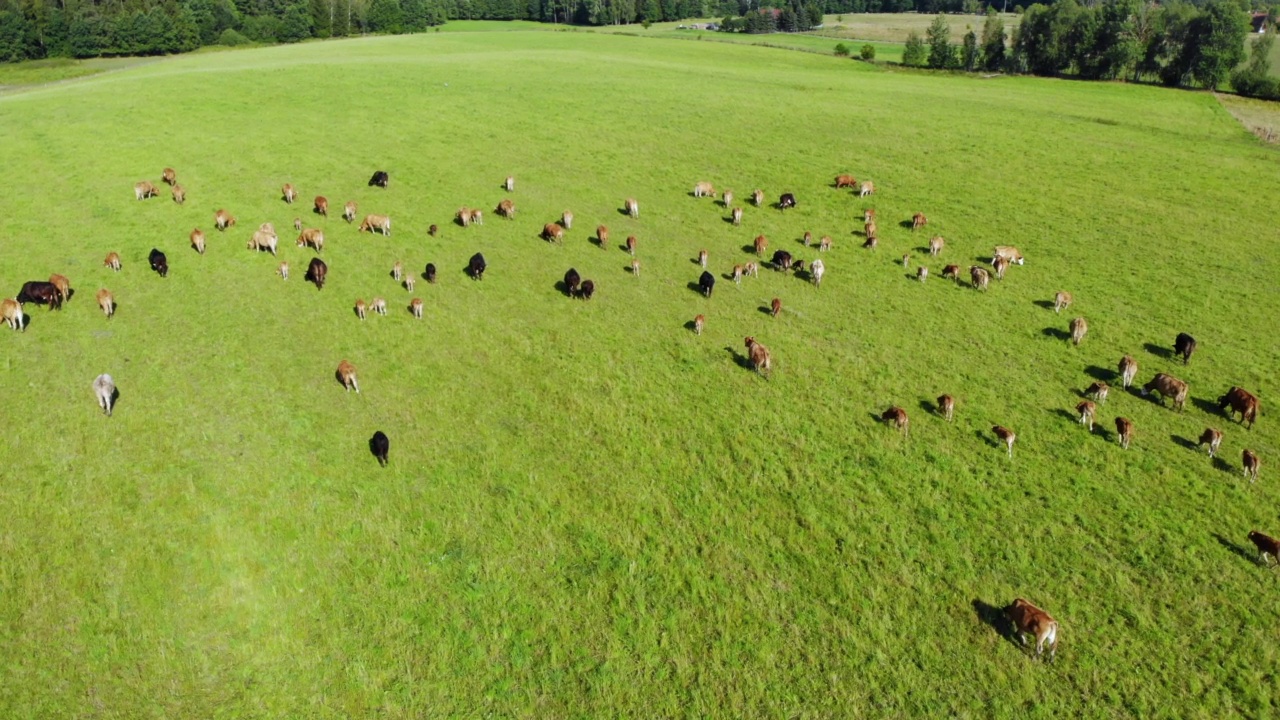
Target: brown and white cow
[(737, 216), (1213, 438), (179, 194), (761, 244), (1128, 368), (1007, 252), (632, 207), (953, 272), (313, 237), (845, 181), (11, 313), (289, 193), (415, 307), (107, 302), (379, 306), (897, 417), (918, 221), (1000, 265), (1266, 545), (866, 189), (808, 238), (946, 407), (869, 215), (702, 259), (1061, 300), (63, 285), (631, 244), (704, 189), (169, 176), (758, 355), (1251, 464), (757, 197), (143, 189), (1027, 619), (698, 323), (262, 240), (361, 308), (1124, 431), (1079, 326), (552, 232), (1006, 436), (602, 236), (197, 240), (922, 273), (824, 244), (112, 261), (1241, 401), (1087, 411), (297, 224), (321, 206), (936, 244), (349, 211), (506, 209), (775, 307), (1098, 391), (979, 277), (283, 271), (635, 267), (347, 374), (1167, 386), (376, 223), (317, 271), (752, 269), (223, 219), (397, 270)]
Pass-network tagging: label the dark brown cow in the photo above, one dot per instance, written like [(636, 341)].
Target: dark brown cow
[(379, 179), (1251, 464), (158, 262), (761, 244), (1124, 431), (316, 272), (631, 244), (322, 207), (587, 290), (507, 209), (1006, 436), (40, 293), (1266, 545), (953, 272), (1167, 386), (897, 417), (1241, 401), (571, 282), (602, 236), (946, 406), (1184, 345), (1028, 619)]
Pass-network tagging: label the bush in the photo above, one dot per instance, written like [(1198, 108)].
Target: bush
[(842, 50), (916, 52), (868, 52), (646, 24), (231, 38)]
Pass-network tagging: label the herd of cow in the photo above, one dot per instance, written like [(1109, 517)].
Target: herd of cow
[(1026, 619)]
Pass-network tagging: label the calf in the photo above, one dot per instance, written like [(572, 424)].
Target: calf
[(702, 259), (223, 219), (143, 190), (635, 267), (775, 307), (11, 313), (283, 271), (197, 240), (313, 237), (169, 176), (698, 323), (1027, 619), (758, 356), (1128, 368), (1167, 386), (380, 306), (347, 375), (845, 181), (107, 302), (935, 245), (918, 221), (415, 307), (752, 269), (104, 389), (571, 282), (1061, 300), (1098, 391), (262, 240), (922, 273), (380, 445), (706, 283), (1251, 464), (866, 189), (379, 179), (63, 285), (297, 224), (179, 194), (506, 209), (979, 277), (1000, 265), (1124, 431), (40, 293), (897, 417), (376, 223), (477, 217), (288, 193), (1006, 436), (1087, 411), (1184, 345), (321, 207), (1266, 545), (112, 261), (476, 267), (552, 232), (602, 236), (761, 244), (361, 307), (757, 197), (587, 290), (1009, 253), (510, 183), (737, 274), (737, 216), (317, 271), (704, 189), (808, 238), (430, 273), (397, 271), (953, 272), (786, 200), (159, 262), (1078, 329), (631, 244), (1212, 438), (946, 406), (433, 231), (632, 207), (349, 211), (816, 270), (782, 260), (1241, 401)]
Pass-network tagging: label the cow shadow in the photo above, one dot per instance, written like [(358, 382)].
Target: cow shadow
[(929, 406), (691, 326), (727, 276), (1046, 304), (600, 243), (728, 219), (695, 287), (1057, 333), (563, 288), (986, 437), (749, 249), (696, 261), (906, 224), (765, 309), (623, 247), (1187, 443), (1208, 407), (994, 617), (1065, 413), (337, 376), (1239, 550), (623, 212), (740, 359), (803, 276), (1098, 373), (1223, 465), (631, 269), (1159, 351)]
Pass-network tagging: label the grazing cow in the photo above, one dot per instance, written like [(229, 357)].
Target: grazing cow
[(845, 181), (1251, 465), (159, 262), (347, 374), (360, 308), (223, 219), (379, 306), (1212, 438), (758, 355), (602, 236), (463, 216), (782, 260), (1061, 300), (869, 228), (143, 190), (376, 223), (477, 217), (1078, 329), (775, 307), (918, 221), (317, 271), (757, 197), (321, 207), (935, 245), (552, 232), (1241, 401), (1006, 436), (922, 273), (112, 261), (11, 312), (869, 215), (510, 184), (262, 240), (197, 240), (104, 389), (1124, 431), (415, 307), (631, 244), (824, 244), (40, 293), (632, 207), (979, 277), (1087, 410), (380, 445), (737, 216), (761, 244), (816, 270), (1167, 386), (1000, 265), (313, 237), (409, 282), (1008, 253), (1128, 370), (706, 283), (866, 189), (267, 228), (289, 193), (704, 189), (571, 281), (179, 194), (397, 271), (1184, 345), (752, 269), (953, 272), (1266, 545), (297, 224), (506, 209), (349, 212), (379, 179), (635, 267), (702, 259), (871, 243), (737, 274), (726, 199), (430, 273), (906, 260), (587, 289), (283, 271), (946, 406), (1027, 619), (107, 302), (786, 200), (1098, 391), (63, 285), (169, 176), (476, 267), (433, 230), (698, 323), (897, 417), (808, 238)]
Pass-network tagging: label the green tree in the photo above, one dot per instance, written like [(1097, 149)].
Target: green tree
[(1115, 45), (868, 52), (993, 42), (296, 24), (13, 36), (1252, 80), (941, 53), (384, 16), (1215, 41), (842, 50), (916, 52), (969, 53), (787, 20)]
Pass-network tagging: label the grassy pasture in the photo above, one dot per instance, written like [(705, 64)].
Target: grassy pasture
[(590, 511)]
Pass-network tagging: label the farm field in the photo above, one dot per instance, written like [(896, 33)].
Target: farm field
[(589, 510)]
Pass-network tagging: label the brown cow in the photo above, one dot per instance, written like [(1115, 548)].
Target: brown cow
[(869, 215), (897, 417), (506, 209), (633, 207), (347, 374), (313, 237), (267, 228), (704, 189), (1266, 545), (317, 271), (808, 238), (1213, 438), (1079, 326), (953, 272), (1006, 436), (737, 216), (143, 189), (179, 194), (223, 219), (1167, 386), (321, 206), (510, 184), (631, 244), (1124, 431), (112, 261), (775, 307), (349, 211), (552, 231), (1251, 465), (379, 223), (824, 244), (297, 224), (415, 307), (463, 216), (1028, 619), (107, 302), (635, 267), (602, 236), (1098, 391), (918, 221), (197, 240), (1061, 300), (1000, 265), (867, 188), (871, 243), (283, 271), (845, 181), (758, 355), (757, 197), (409, 282), (737, 274), (477, 217), (63, 285), (169, 176), (979, 277), (936, 244), (1241, 401), (1128, 368), (1087, 411), (361, 306), (869, 228), (946, 406), (288, 193), (11, 312), (433, 230), (698, 323), (762, 244)]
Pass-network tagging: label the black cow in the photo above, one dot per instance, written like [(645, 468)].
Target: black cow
[(159, 262), (430, 273), (786, 201), (475, 268), (1184, 345), (782, 260), (379, 445), (316, 272), (571, 282), (40, 293), (587, 290), (379, 179), (706, 283)]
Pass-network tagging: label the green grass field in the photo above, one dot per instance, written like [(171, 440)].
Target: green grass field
[(590, 511)]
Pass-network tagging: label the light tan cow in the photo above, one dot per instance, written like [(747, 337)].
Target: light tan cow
[(1079, 327), (635, 267), (824, 244), (297, 224), (566, 219), (267, 227), (262, 240), (179, 194), (507, 209), (737, 216), (283, 271), (727, 200), (510, 184), (698, 323), (347, 374), (935, 245), (1168, 386), (112, 261), (349, 211), (867, 188), (143, 189), (463, 216), (11, 312), (979, 277), (477, 217), (1000, 265), (313, 237), (289, 193), (752, 269), (223, 219), (376, 223), (397, 270), (197, 240), (1061, 300), (737, 274), (107, 302), (704, 189), (361, 307), (409, 282), (918, 221), (169, 176), (869, 228), (757, 197), (380, 306), (632, 207), (1009, 253), (1128, 370), (415, 307), (63, 285)]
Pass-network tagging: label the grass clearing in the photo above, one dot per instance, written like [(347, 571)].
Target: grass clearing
[(36, 72), (1260, 117), (590, 511)]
